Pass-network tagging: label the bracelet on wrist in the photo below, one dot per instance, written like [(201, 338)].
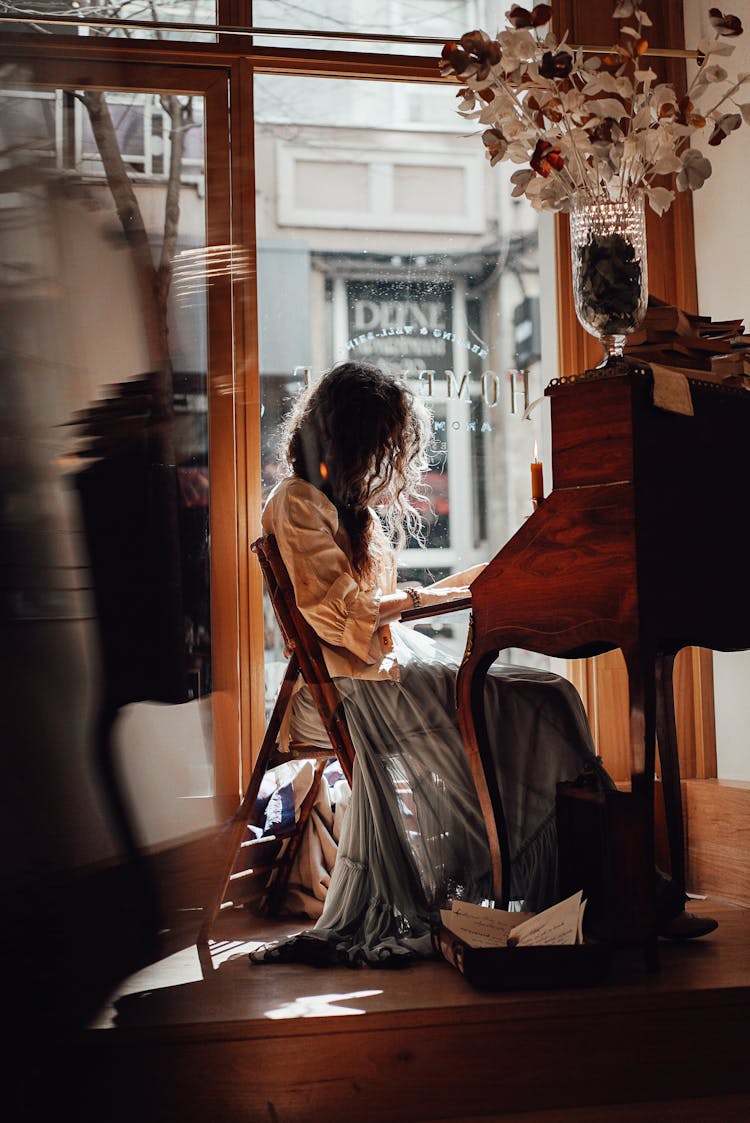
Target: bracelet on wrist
[(416, 599)]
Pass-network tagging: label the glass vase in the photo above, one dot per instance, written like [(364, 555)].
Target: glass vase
[(610, 269)]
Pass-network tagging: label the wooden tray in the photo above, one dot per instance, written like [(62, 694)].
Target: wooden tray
[(525, 968)]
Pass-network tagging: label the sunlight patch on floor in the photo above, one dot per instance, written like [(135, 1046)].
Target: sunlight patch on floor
[(182, 967), (320, 1005), (222, 950)]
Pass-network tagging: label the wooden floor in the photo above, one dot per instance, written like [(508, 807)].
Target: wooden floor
[(232, 1041)]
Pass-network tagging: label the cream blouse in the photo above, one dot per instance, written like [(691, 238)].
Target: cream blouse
[(315, 550)]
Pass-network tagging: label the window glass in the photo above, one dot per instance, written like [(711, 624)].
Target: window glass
[(432, 19), (402, 19), (193, 12), (105, 318), (387, 237), (419, 18)]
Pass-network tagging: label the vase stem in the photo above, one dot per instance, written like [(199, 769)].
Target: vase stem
[(613, 345)]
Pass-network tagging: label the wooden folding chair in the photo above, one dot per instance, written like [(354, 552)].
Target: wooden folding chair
[(265, 857)]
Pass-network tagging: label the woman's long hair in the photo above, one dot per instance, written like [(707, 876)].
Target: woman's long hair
[(361, 437)]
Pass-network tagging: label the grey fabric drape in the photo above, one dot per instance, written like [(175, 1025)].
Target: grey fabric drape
[(413, 834)]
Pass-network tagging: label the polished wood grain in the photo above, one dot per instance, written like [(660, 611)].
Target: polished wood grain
[(244, 399), (145, 53), (712, 1109), (228, 629), (603, 684), (718, 819), (292, 1043), (696, 723)]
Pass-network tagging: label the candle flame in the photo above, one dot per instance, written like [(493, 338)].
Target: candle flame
[(536, 453), (323, 471)]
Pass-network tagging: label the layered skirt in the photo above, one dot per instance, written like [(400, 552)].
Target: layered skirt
[(413, 835)]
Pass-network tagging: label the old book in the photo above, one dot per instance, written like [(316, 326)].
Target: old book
[(667, 318), (498, 950), (672, 337), (480, 927)]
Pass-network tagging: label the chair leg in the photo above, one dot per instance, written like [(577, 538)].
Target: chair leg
[(642, 669), (237, 826), (473, 725)]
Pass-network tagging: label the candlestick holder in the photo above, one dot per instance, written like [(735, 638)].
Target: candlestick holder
[(537, 501)]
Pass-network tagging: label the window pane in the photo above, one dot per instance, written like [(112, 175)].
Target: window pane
[(433, 19), (420, 18), (194, 12), (127, 114), (105, 513), (389, 238)]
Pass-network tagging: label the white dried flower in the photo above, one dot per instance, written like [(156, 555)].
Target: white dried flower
[(587, 125)]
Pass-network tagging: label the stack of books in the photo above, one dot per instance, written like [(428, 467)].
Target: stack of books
[(713, 350)]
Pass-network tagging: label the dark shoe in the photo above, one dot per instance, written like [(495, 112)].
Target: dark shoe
[(687, 926)]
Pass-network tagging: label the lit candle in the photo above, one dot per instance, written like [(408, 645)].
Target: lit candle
[(537, 478)]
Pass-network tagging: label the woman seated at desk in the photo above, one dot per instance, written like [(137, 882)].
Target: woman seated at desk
[(413, 835)]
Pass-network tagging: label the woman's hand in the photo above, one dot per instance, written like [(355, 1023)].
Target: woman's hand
[(447, 589), (393, 605), (442, 594), (462, 579)]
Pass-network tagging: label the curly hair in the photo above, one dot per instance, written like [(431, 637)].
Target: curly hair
[(362, 437)]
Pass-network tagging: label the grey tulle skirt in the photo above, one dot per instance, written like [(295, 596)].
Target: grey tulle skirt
[(413, 835)]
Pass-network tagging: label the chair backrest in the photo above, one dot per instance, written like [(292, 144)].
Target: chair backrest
[(300, 638)]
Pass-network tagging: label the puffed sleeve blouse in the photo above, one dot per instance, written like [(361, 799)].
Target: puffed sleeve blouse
[(343, 613)]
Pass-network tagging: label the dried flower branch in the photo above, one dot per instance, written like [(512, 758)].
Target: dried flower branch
[(600, 126)]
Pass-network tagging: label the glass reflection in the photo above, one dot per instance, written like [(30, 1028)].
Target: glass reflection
[(393, 241), (193, 12), (104, 522), (437, 18)]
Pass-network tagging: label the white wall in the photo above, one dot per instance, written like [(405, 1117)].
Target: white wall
[(722, 233)]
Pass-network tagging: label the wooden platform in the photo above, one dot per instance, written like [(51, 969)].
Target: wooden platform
[(294, 1044)]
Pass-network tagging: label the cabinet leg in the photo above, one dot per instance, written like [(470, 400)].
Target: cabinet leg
[(666, 730)]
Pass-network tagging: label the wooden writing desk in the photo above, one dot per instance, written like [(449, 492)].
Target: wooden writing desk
[(639, 546)]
